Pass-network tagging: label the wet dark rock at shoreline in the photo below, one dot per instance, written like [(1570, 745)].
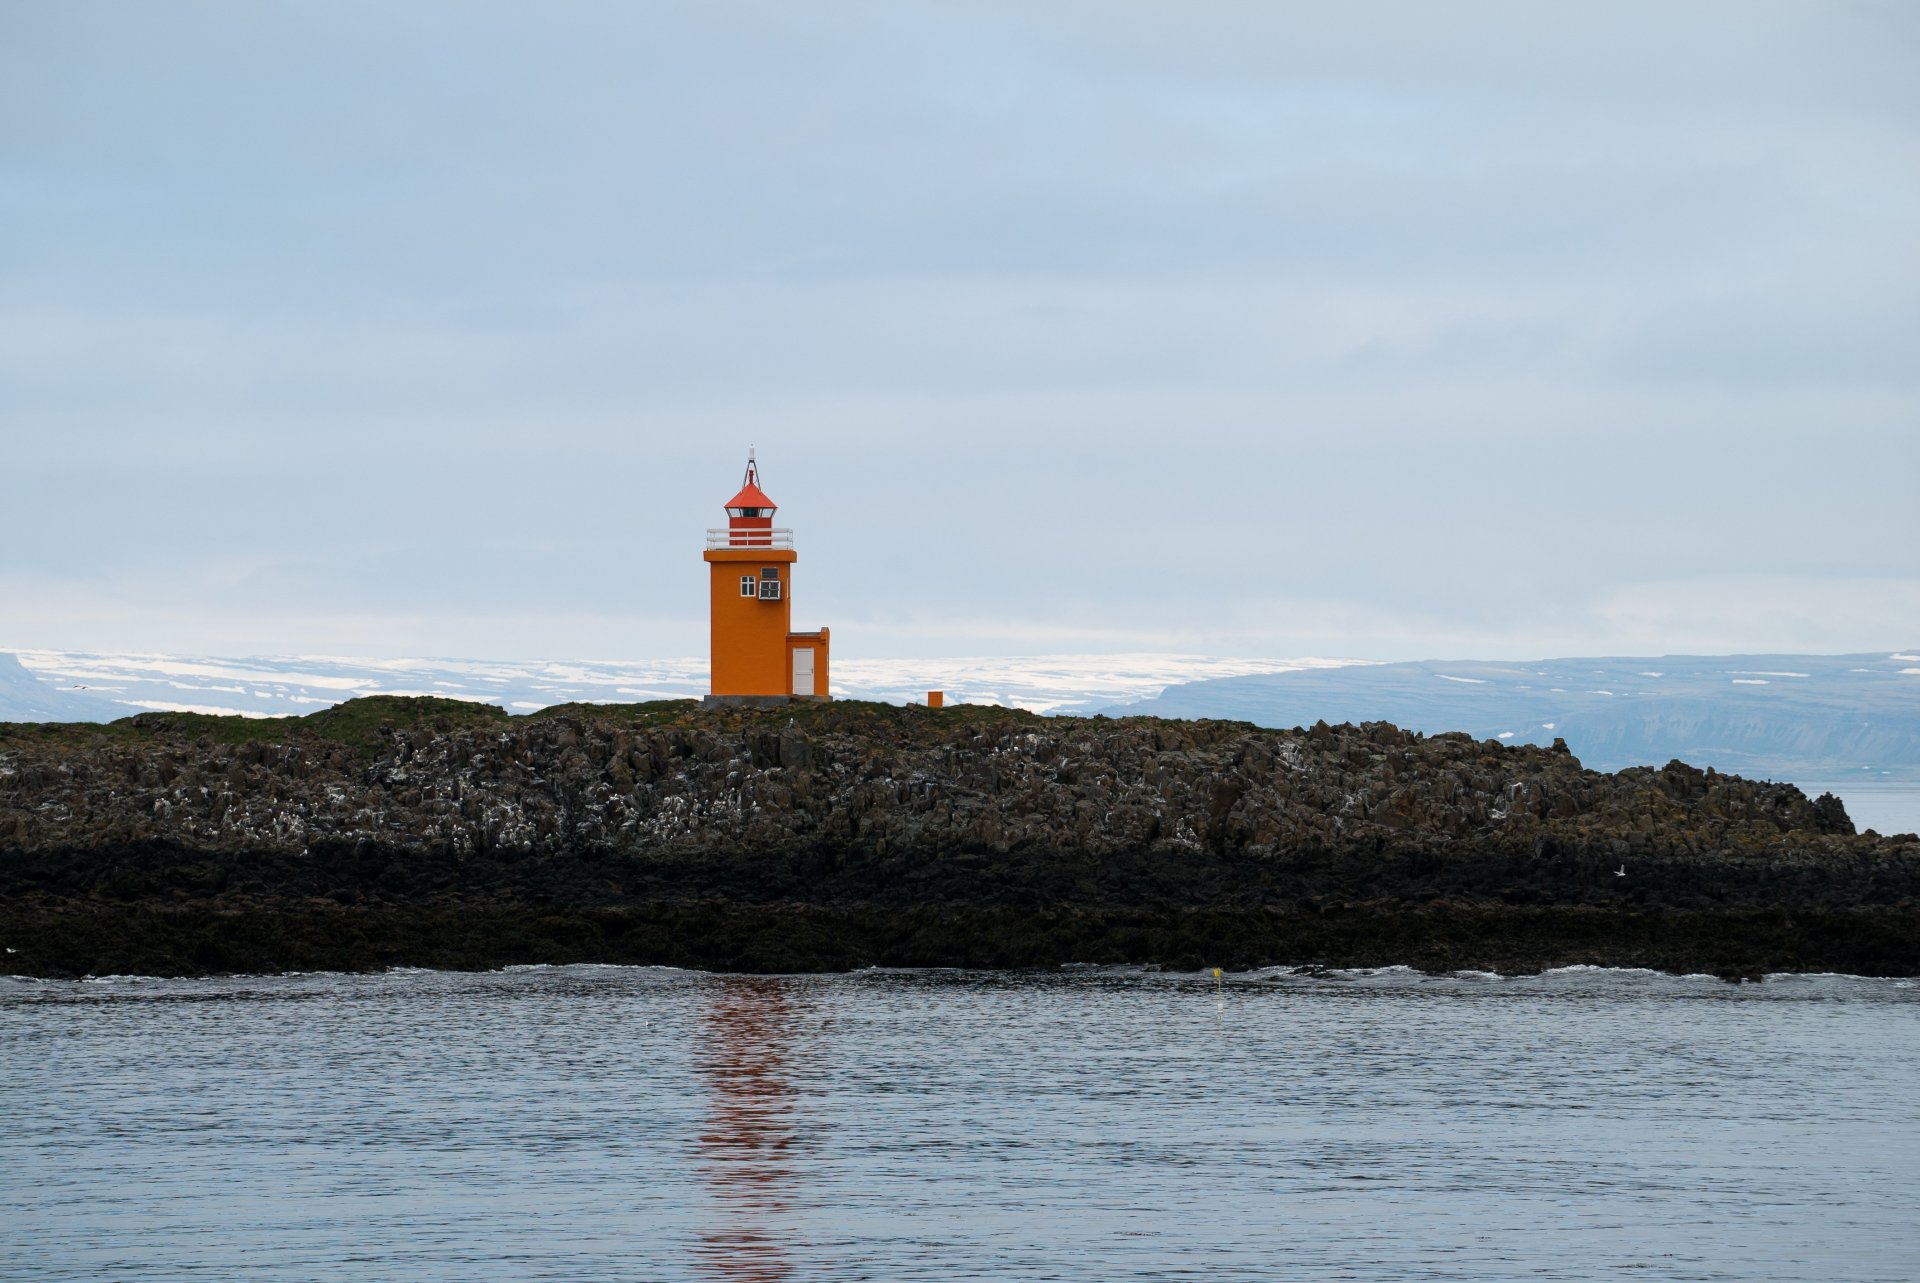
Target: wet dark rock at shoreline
[(394, 831)]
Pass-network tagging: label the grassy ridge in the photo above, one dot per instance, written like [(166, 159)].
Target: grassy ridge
[(368, 722)]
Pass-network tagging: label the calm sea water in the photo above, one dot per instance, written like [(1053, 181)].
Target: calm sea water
[(634, 1123), (1888, 806)]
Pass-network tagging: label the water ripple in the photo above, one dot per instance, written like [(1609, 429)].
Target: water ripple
[(1091, 1124)]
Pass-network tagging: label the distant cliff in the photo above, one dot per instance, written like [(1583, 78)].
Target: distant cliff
[(423, 831), (1816, 715), (24, 697)]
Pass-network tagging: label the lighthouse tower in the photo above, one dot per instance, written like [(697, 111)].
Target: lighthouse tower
[(756, 655)]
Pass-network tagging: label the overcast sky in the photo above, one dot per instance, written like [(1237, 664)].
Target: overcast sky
[(1391, 331)]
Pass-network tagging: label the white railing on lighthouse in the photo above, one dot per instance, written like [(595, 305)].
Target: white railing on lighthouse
[(777, 538)]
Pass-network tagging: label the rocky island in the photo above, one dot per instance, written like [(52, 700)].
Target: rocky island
[(390, 831)]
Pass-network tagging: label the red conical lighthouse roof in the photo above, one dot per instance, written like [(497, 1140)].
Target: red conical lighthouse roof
[(751, 496)]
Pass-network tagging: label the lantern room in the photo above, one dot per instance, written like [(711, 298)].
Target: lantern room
[(754, 653), (750, 513)]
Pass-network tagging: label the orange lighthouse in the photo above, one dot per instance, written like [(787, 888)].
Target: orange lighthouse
[(756, 655)]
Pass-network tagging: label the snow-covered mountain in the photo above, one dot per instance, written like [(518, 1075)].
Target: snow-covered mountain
[(1790, 715), (47, 685), (27, 697)]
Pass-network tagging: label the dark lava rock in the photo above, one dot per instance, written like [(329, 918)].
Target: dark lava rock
[(390, 831)]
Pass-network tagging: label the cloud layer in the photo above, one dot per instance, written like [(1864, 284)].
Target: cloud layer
[(1253, 329)]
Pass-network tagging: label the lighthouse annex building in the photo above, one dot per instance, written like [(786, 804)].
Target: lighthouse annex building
[(754, 652)]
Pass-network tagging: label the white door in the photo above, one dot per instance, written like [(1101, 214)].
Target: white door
[(803, 671)]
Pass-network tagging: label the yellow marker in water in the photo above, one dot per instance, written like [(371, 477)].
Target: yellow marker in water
[(1220, 987)]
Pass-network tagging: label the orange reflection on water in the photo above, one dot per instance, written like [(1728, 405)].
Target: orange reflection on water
[(748, 1042)]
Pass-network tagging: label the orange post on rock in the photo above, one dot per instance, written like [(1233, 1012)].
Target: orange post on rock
[(936, 699), (754, 653)]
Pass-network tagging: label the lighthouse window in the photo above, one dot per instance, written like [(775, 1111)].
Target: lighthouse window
[(749, 586), (770, 572)]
